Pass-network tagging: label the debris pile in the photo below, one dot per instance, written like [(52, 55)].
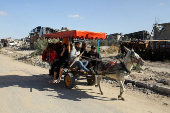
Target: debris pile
[(36, 61)]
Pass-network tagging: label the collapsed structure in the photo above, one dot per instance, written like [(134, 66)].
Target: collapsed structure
[(116, 36), (140, 35), (161, 31), (23, 43), (156, 49), (38, 33), (4, 43), (28, 42)]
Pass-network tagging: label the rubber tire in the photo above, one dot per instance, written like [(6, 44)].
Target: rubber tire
[(72, 80), (91, 80)]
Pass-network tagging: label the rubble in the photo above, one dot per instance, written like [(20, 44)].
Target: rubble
[(142, 86), (129, 85), (16, 44), (27, 59)]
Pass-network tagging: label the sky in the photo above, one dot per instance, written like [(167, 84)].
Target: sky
[(19, 17)]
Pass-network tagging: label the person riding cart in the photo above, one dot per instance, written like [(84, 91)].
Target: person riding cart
[(75, 51), (94, 55), (74, 55), (84, 50), (62, 63)]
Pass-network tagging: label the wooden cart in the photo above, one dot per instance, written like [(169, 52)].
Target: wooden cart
[(70, 75)]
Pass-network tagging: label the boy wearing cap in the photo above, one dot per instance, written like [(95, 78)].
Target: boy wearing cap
[(93, 54)]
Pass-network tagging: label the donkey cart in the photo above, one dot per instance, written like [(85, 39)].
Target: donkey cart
[(119, 71)]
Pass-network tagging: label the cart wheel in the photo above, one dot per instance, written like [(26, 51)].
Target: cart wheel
[(91, 80), (69, 80)]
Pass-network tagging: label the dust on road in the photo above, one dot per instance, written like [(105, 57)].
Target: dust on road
[(25, 88)]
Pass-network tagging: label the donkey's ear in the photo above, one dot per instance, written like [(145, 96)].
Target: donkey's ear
[(126, 49)]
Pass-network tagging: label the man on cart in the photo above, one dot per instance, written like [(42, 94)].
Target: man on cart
[(84, 50), (74, 53), (94, 56)]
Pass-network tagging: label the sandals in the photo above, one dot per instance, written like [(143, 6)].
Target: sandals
[(58, 81), (54, 81)]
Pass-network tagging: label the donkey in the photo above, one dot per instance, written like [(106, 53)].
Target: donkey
[(121, 70)]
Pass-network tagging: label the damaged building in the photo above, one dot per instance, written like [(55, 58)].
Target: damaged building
[(116, 36), (161, 31), (140, 35), (113, 37), (4, 42), (38, 33), (157, 49)]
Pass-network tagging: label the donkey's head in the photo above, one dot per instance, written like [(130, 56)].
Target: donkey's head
[(134, 57)]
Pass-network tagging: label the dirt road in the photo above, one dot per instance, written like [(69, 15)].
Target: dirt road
[(25, 89)]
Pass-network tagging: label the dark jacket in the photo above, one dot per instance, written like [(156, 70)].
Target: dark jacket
[(64, 57), (94, 55), (85, 54)]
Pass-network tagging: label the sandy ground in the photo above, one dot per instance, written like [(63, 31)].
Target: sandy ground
[(25, 52), (25, 88), (158, 66)]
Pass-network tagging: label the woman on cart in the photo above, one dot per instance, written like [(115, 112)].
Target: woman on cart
[(63, 63)]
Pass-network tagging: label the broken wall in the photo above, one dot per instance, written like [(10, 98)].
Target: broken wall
[(162, 32)]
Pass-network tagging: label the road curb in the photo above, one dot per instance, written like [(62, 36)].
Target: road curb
[(156, 88)]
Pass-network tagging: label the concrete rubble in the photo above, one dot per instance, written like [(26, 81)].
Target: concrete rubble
[(26, 59), (23, 43)]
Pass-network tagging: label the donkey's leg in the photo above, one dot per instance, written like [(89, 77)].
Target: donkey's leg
[(96, 76), (100, 89), (122, 89), (98, 83), (99, 77)]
